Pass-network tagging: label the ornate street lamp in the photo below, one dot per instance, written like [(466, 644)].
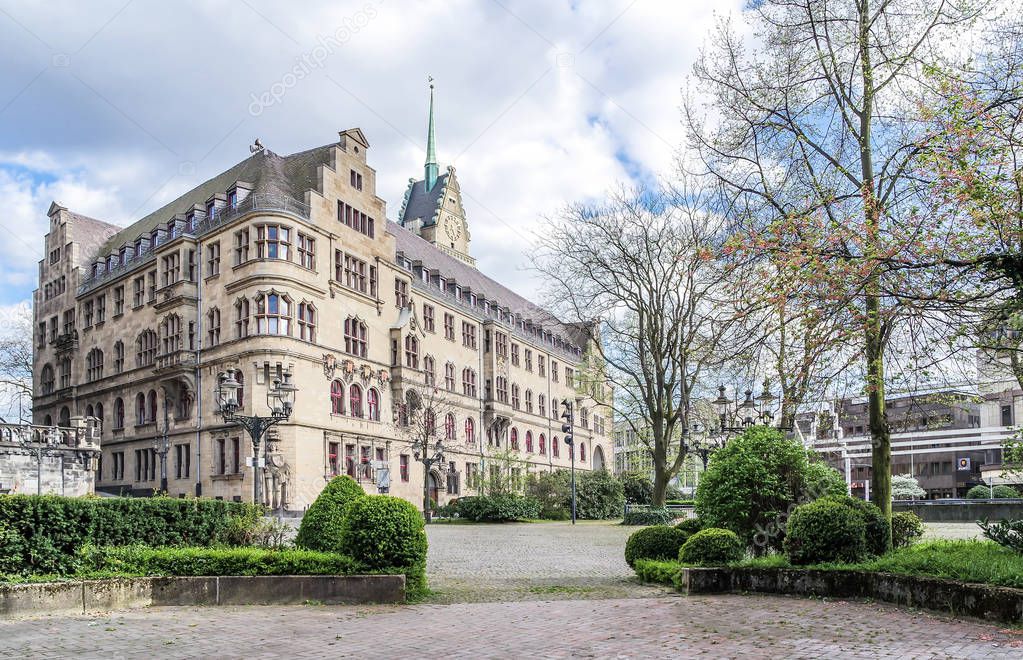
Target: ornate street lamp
[(281, 401), (736, 417)]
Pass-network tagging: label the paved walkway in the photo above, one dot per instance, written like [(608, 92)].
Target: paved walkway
[(664, 627), (511, 591)]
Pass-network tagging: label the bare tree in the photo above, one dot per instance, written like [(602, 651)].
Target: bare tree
[(425, 423), (822, 125), (644, 273), (16, 364)]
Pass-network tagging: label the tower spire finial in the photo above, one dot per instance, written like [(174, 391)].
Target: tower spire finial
[(431, 148)]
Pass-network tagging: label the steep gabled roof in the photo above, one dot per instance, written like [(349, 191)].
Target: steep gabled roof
[(419, 203)]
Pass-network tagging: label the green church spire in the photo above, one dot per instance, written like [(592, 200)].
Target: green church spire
[(431, 149)]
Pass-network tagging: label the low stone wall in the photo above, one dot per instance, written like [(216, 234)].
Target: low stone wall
[(962, 511), (982, 601), (68, 598)]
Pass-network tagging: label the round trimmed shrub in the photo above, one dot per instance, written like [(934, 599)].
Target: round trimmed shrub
[(322, 524), (907, 527), (712, 547), (382, 532), (825, 531), (986, 492), (878, 532), (690, 526), (656, 542)]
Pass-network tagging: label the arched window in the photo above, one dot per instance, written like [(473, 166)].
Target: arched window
[(118, 413), (470, 431), (529, 441), (47, 421), (273, 314), (554, 408), (355, 400), (145, 348), (541, 402), (89, 411), (213, 327), (449, 377), (582, 452), (411, 352), (468, 382), (373, 403), (307, 322), (429, 422), (529, 401), (543, 446), (337, 398), (140, 409), (119, 357), (151, 407), (515, 396), (241, 318), (94, 365), (355, 337), (170, 328), (65, 416), (449, 427), (429, 371), (555, 447), (99, 414), (47, 380), (513, 438)]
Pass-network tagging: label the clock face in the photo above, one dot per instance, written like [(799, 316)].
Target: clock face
[(453, 227)]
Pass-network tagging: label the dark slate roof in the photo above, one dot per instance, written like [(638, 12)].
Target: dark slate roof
[(416, 249), (265, 171), (420, 204)]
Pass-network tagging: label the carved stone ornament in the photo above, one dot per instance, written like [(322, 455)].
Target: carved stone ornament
[(329, 365)]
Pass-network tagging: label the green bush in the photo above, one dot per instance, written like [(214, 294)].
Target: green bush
[(656, 542), (637, 488), (712, 547), (498, 508), (690, 526), (598, 495), (555, 513), (648, 517), (143, 560), (986, 492), (322, 523), (658, 571), (755, 480), (50, 529), (907, 527), (1007, 533), (825, 531), (383, 532), (10, 550), (878, 531), (678, 502)]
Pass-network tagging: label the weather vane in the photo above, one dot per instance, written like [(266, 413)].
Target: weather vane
[(430, 79)]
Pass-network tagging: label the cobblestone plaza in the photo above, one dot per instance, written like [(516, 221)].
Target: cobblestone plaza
[(523, 590)]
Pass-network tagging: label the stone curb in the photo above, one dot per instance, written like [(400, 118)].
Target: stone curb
[(69, 598), (987, 602)]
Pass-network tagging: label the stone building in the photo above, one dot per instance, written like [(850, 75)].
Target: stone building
[(288, 264), (51, 460)]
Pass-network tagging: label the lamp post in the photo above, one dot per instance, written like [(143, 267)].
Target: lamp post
[(161, 446), (429, 455), (735, 417), (567, 429), (281, 401)]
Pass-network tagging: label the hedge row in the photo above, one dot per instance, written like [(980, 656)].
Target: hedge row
[(42, 534), (498, 508), (143, 560)]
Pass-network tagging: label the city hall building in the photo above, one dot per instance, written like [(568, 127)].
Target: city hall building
[(288, 264)]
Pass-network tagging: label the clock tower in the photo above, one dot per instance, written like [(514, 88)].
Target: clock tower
[(432, 207)]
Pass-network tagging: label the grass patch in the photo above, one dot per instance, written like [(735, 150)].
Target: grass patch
[(658, 571)]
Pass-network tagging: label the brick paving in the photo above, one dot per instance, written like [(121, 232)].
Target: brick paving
[(510, 591)]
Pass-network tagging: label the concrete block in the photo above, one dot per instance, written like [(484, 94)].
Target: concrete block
[(353, 589), (117, 594), (184, 590), (260, 590), (26, 600)]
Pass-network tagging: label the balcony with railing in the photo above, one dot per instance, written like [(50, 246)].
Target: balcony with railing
[(252, 203), (179, 359)]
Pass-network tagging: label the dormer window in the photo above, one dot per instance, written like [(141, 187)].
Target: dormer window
[(211, 209), (190, 222), (232, 199)]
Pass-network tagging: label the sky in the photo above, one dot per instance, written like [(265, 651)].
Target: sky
[(115, 108)]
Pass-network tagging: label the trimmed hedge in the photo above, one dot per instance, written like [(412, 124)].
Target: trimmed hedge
[(648, 517), (384, 532), (498, 508), (656, 542), (690, 526), (825, 531), (907, 527), (712, 547), (322, 524), (659, 571), (49, 529), (1000, 492), (877, 532), (143, 560)]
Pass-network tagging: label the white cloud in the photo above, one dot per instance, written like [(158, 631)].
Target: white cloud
[(539, 103)]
